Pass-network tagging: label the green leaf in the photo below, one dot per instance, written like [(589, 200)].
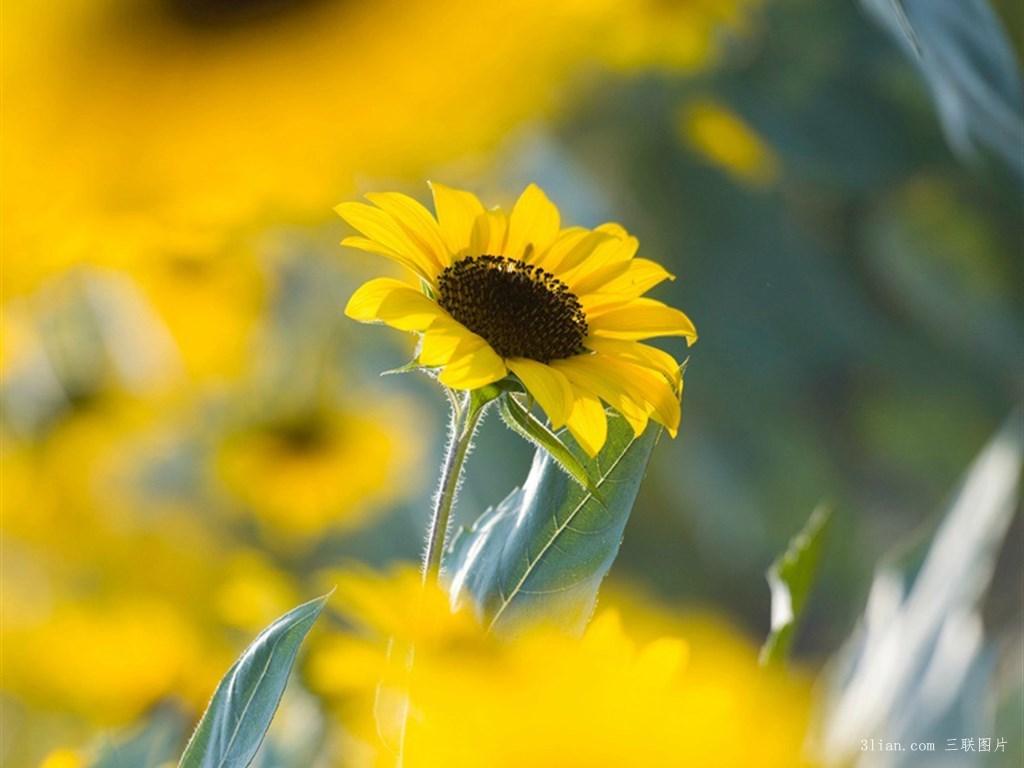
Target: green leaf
[(790, 578), (526, 425), (237, 718), (541, 554), (921, 623), (968, 62), (900, 14)]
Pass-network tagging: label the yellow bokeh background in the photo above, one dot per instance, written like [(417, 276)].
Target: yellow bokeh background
[(193, 439), (156, 154)]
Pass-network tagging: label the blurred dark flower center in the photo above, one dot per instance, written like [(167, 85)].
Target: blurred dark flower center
[(300, 436), (519, 309), (229, 13)]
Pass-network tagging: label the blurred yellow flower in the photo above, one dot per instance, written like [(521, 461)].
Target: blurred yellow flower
[(724, 139), (192, 128), (253, 592), (63, 758), (561, 309), (671, 35), (615, 697), (330, 470), (211, 302), (105, 662)]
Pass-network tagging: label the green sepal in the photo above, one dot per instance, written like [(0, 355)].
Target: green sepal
[(529, 427)]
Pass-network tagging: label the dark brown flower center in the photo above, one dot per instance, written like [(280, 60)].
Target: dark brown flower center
[(518, 308)]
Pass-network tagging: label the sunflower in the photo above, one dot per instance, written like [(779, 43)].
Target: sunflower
[(496, 294)]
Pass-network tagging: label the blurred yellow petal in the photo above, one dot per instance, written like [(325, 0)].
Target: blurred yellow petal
[(659, 661), (474, 369), (390, 301), (549, 386), (63, 758), (534, 221), (417, 222), (587, 421), (457, 211), (643, 319), (724, 139), (641, 687)]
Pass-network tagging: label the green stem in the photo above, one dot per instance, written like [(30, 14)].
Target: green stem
[(465, 414)]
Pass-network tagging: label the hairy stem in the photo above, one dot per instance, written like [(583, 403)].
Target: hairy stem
[(465, 414)]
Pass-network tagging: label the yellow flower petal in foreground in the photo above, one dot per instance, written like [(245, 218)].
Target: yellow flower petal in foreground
[(643, 686), (63, 758), (563, 310)]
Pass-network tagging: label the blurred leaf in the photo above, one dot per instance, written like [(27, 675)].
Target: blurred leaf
[(790, 578), (237, 718), (968, 62), (152, 744), (914, 669), (527, 426), (900, 15), (542, 552)]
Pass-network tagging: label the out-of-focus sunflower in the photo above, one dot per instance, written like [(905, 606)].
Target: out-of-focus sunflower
[(140, 130), (106, 661), (671, 691), (561, 309), (305, 476)]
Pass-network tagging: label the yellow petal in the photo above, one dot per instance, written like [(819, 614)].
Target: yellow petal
[(391, 301), (457, 211), (489, 232), (382, 229), (371, 246), (587, 372), (549, 386), (595, 304), (662, 399), (587, 281), (614, 229), (477, 368), (643, 319), (570, 248), (632, 279), (534, 221), (641, 385), (640, 354), (612, 251), (416, 221), (447, 338), (587, 421)]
